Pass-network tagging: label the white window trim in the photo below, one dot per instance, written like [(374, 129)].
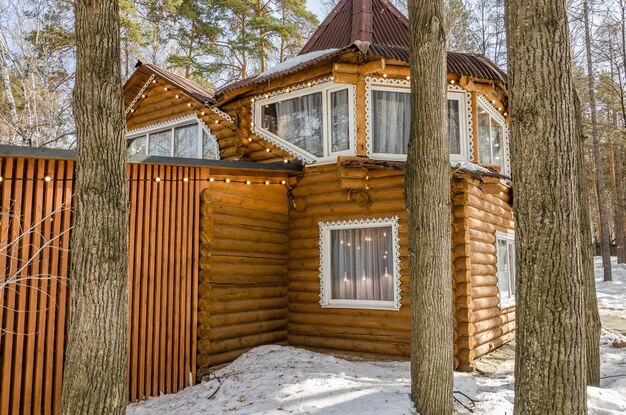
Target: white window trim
[(509, 238), (325, 229), (326, 88), (172, 125), (398, 85), (483, 103)]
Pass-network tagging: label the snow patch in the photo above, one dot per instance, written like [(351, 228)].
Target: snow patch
[(296, 61)]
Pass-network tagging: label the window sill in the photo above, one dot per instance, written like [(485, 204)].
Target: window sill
[(362, 305)]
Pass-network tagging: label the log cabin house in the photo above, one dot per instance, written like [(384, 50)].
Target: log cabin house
[(303, 237)]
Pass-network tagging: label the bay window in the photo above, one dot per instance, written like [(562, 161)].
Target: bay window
[(314, 123), (360, 264), (187, 137), (505, 263), (491, 138)]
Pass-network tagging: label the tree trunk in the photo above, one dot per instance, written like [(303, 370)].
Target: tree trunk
[(620, 195), (550, 360), (602, 202), (95, 372), (428, 208), (593, 328)]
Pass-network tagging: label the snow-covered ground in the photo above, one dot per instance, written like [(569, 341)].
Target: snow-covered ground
[(286, 380)]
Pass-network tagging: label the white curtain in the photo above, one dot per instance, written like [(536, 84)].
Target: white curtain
[(297, 120), (362, 264), (391, 121), (339, 121), (454, 126)]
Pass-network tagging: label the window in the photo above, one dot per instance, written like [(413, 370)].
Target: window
[(314, 123), (360, 264), (187, 137), (390, 115), (490, 138), (506, 268)]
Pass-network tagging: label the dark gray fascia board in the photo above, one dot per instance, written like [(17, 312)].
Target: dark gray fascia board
[(60, 154)]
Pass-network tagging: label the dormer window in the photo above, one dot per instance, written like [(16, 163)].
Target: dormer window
[(186, 137), (491, 134), (389, 121), (315, 123)]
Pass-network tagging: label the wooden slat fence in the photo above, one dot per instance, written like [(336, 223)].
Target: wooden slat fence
[(35, 224)]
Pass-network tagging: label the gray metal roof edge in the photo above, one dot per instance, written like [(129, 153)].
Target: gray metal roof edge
[(62, 154)]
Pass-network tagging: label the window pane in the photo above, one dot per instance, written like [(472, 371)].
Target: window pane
[(511, 245), (361, 264), (137, 145), (210, 149), (454, 126), (484, 137), (161, 143), (298, 121), (496, 140), (339, 121), (391, 116), (186, 141), (503, 270)]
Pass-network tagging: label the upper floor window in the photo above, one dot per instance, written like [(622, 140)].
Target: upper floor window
[(187, 137), (389, 115), (491, 136), (505, 262), (315, 122)]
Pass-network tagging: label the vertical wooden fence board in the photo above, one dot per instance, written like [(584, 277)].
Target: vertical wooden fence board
[(64, 270), (34, 284), (8, 293), (25, 222), (163, 277)]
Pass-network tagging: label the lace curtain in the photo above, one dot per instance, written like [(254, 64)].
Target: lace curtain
[(362, 264)]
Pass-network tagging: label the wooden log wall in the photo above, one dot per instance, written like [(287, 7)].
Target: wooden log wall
[(320, 197), (35, 225), (479, 210), (243, 277)]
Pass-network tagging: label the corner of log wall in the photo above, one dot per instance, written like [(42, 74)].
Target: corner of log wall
[(243, 271), (462, 281)]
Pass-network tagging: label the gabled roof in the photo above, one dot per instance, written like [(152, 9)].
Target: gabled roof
[(188, 87)]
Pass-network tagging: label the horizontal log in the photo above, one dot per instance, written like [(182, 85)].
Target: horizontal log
[(306, 313), (219, 320), (492, 345), (484, 292), (483, 303), (221, 346), (388, 348), (239, 330), (247, 305), (492, 323), (350, 332)]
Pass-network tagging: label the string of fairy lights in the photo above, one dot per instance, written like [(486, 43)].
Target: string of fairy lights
[(158, 179), (202, 111)]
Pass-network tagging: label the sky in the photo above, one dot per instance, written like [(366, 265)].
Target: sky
[(316, 7)]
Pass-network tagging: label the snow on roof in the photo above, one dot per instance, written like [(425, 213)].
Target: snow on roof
[(296, 61)]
